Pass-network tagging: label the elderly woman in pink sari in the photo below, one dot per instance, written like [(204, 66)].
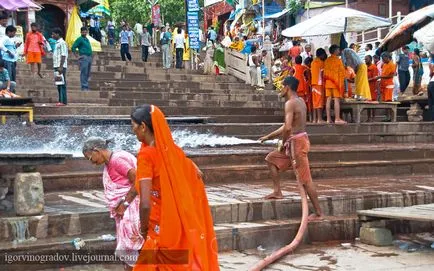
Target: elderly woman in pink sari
[(118, 179)]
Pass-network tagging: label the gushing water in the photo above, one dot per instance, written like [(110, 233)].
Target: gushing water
[(20, 230), (69, 139)]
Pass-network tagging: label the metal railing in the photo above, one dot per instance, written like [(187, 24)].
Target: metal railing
[(379, 34)]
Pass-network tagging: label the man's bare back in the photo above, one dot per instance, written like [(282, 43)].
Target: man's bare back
[(295, 115)]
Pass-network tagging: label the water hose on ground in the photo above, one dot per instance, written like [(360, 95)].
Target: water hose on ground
[(299, 237)]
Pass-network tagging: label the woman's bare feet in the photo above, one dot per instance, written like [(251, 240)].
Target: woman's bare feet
[(314, 217), (274, 195)]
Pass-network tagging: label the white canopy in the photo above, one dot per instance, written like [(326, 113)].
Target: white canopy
[(425, 35), (336, 20)]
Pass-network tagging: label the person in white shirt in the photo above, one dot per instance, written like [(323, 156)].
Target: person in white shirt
[(138, 28), (307, 52), (8, 47), (111, 32), (3, 24), (60, 64), (179, 42)]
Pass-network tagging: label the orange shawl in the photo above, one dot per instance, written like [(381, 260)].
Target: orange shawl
[(186, 222), (300, 75), (317, 66), (334, 73), (388, 69)]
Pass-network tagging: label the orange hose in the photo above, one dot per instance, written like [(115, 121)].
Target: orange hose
[(303, 226)]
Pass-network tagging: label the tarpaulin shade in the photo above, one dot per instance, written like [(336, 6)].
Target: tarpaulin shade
[(18, 4), (336, 20), (403, 32), (85, 5), (274, 15)]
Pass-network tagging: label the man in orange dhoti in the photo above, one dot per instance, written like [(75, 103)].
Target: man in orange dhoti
[(174, 212), (372, 79), (299, 74), (296, 146), (308, 77), (387, 73), (317, 73), (334, 75)]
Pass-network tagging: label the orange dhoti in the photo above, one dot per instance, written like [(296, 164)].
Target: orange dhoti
[(300, 146), (387, 93), (317, 97)]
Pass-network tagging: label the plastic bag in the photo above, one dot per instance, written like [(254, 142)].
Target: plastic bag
[(151, 50)]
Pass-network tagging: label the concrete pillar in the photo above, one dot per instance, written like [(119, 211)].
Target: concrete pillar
[(28, 194)]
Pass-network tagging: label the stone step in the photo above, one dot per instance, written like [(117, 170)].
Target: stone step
[(154, 75), (254, 155), (234, 236), (233, 206), (112, 84), (126, 120), (256, 172), (89, 109), (331, 134), (197, 103), (71, 99)]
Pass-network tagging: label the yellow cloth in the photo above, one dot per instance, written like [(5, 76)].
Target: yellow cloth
[(237, 45), (186, 55), (362, 83), (74, 31)]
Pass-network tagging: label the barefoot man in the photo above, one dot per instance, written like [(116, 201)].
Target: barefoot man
[(295, 146)]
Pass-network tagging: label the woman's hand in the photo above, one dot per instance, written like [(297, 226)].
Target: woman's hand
[(120, 209)]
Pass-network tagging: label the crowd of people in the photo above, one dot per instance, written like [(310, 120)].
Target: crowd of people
[(328, 77)]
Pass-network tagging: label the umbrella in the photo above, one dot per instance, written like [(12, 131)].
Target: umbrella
[(403, 32), (336, 20)]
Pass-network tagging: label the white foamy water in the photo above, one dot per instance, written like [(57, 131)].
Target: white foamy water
[(69, 139)]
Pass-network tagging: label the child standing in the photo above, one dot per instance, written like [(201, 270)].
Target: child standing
[(9, 51)]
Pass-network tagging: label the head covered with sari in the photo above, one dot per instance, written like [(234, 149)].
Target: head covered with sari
[(186, 221)]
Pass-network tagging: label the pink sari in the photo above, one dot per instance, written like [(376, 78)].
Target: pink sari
[(117, 185)]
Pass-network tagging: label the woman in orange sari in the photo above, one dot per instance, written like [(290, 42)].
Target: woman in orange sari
[(174, 212)]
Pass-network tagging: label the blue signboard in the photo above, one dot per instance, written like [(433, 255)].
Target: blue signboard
[(193, 29), (193, 5)]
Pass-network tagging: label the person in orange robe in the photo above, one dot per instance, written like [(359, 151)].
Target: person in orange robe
[(317, 77), (299, 74), (174, 212), (349, 76), (372, 79), (34, 49), (334, 75), (308, 77), (387, 73)]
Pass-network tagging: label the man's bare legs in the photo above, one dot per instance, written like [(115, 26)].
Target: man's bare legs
[(39, 70), (318, 113), (338, 119), (313, 196), (328, 106), (277, 191)]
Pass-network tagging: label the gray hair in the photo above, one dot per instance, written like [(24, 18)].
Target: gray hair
[(94, 143)]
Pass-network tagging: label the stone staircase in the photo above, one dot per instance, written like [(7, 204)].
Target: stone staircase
[(354, 166), (117, 86)]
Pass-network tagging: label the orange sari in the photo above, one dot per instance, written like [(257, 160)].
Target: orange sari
[(180, 218)]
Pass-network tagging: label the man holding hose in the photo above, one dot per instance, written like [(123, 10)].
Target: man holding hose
[(295, 146)]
